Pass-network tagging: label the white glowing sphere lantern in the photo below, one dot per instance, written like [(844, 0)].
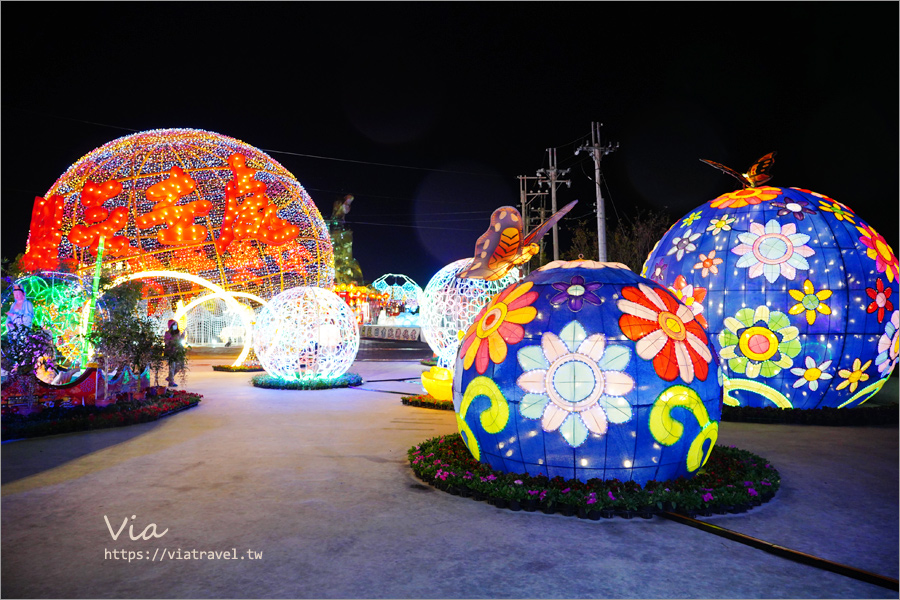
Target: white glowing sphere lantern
[(450, 305), (306, 333)]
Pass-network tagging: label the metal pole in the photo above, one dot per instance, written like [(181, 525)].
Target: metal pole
[(552, 152), (601, 209)]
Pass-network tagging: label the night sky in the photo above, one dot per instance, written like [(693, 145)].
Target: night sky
[(428, 112)]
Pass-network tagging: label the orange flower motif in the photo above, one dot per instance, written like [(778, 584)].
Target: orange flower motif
[(666, 332), (746, 197), (498, 324)]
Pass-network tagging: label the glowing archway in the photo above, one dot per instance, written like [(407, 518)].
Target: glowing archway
[(183, 310), (225, 295)]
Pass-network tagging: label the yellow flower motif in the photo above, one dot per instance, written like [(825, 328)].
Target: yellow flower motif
[(810, 301), (854, 377), (691, 218), (746, 197), (839, 211)]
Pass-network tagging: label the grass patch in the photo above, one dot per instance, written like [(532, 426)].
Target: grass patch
[(427, 401), (238, 369), (732, 480), (859, 416), (276, 383)]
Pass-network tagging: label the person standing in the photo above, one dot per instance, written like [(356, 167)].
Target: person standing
[(174, 349)]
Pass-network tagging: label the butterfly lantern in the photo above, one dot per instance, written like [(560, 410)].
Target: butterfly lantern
[(798, 292), (502, 246)]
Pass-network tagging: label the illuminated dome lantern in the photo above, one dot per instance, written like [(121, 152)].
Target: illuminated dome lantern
[(587, 370), (449, 304), (306, 333), (189, 201), (799, 294)]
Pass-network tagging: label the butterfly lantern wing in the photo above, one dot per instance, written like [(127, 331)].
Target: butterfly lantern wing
[(537, 234), (497, 248), (727, 170), (760, 172), (757, 174)]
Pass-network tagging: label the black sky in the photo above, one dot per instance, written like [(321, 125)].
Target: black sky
[(461, 98)]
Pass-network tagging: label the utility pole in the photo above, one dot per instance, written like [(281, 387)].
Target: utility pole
[(525, 197), (598, 152), (550, 176)]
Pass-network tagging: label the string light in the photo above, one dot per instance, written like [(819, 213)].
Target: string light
[(184, 200)]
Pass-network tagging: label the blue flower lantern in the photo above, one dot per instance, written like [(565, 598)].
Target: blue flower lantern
[(799, 295), (587, 370)]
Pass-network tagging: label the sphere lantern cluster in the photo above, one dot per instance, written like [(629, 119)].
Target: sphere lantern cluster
[(799, 294)]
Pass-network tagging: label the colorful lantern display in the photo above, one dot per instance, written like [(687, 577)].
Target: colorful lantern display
[(401, 290), (61, 303), (184, 200), (306, 333), (449, 304), (798, 293), (586, 370)]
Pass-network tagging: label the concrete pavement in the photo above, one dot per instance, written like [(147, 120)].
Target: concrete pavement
[(319, 484)]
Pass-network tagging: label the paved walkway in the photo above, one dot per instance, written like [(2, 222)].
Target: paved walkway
[(319, 485)]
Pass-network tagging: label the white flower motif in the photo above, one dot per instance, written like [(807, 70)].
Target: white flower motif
[(720, 224), (889, 345), (773, 250), (811, 374), (575, 383), (684, 244)]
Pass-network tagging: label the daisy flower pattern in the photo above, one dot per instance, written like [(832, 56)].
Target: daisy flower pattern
[(889, 345), (759, 342), (811, 301), (666, 332), (716, 226), (498, 324), (576, 293), (853, 377), (811, 374), (878, 250), (798, 208), (773, 250), (745, 197), (684, 244), (575, 383), (708, 264), (880, 296), (692, 297)]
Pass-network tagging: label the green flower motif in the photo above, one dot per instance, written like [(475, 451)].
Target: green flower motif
[(759, 342)]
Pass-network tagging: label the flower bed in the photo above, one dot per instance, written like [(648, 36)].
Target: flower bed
[(427, 401), (731, 481), (238, 369), (51, 421), (429, 362), (276, 383), (860, 416)]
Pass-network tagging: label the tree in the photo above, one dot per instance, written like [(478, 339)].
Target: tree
[(25, 349), (124, 337), (629, 242)]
